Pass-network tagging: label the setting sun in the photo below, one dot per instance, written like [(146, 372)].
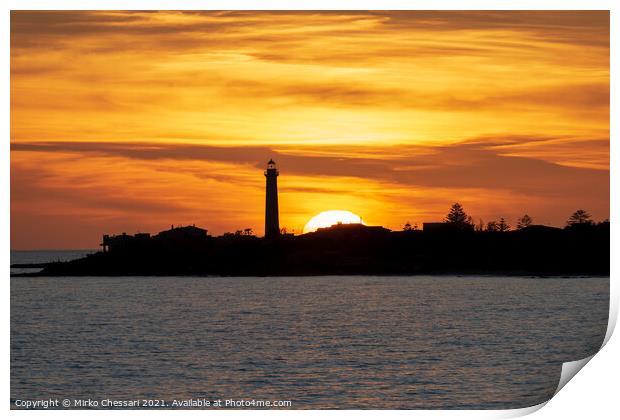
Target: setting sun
[(331, 217)]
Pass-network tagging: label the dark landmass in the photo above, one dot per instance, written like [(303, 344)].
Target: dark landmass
[(350, 249), (30, 265)]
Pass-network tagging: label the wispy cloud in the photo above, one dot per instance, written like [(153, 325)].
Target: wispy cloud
[(411, 108)]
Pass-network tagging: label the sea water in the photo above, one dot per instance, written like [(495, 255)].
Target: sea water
[(318, 342)]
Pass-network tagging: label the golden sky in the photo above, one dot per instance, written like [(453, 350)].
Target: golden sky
[(133, 121)]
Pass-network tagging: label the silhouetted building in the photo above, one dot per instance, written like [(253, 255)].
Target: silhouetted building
[(182, 232), (349, 229), (439, 227), (180, 236), (272, 224), (124, 242), (540, 229)]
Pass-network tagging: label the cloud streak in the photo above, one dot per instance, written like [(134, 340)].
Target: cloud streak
[(118, 115), (467, 165)]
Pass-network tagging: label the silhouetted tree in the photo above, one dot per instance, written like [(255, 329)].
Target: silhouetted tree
[(524, 222), (407, 227), (283, 230), (238, 232), (248, 232), (502, 226), (457, 215), (580, 217), (480, 226), (415, 226), (492, 226)]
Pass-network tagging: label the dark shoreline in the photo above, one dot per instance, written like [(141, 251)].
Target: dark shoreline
[(47, 270), (438, 274), (350, 250)]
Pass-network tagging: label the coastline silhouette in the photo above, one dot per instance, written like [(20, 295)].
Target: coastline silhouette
[(454, 246)]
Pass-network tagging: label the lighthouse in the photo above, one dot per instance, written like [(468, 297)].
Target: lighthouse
[(272, 224)]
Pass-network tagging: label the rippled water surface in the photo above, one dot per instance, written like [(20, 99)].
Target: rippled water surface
[(320, 342)]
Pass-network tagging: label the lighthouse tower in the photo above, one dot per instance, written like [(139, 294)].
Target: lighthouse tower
[(272, 224)]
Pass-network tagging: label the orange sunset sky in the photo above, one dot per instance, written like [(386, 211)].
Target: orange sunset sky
[(133, 121)]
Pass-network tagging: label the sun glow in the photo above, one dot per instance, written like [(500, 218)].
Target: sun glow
[(331, 217)]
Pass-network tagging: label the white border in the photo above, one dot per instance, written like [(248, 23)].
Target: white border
[(313, 5), (594, 394)]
